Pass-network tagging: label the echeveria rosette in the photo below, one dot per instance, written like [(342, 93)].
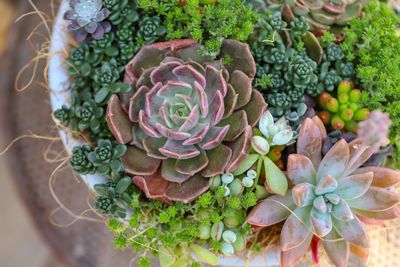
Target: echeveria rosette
[(330, 198), (87, 19), (187, 117)]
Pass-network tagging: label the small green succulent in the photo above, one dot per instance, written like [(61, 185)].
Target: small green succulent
[(106, 157), (63, 115), (79, 160), (150, 29), (122, 11), (113, 198), (90, 116)]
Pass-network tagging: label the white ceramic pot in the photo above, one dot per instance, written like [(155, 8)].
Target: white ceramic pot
[(61, 95)]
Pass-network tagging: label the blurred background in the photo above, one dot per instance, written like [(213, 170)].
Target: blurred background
[(27, 238)]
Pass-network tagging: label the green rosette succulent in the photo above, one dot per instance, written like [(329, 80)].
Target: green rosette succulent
[(79, 160), (188, 116), (150, 29), (87, 19), (122, 11), (330, 198), (320, 14), (106, 157), (90, 116)]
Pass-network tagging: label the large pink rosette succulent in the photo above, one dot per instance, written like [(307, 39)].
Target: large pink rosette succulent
[(329, 199), (188, 117)]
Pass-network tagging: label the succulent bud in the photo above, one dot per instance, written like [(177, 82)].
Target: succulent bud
[(204, 232), (354, 107), (361, 114), (355, 95), (216, 231), (351, 126), (252, 174), (261, 192), (347, 114), (325, 116), (337, 122), (332, 105), (215, 182), (324, 98), (227, 249), (227, 178), (236, 187), (260, 145), (240, 243), (229, 236), (275, 154), (234, 217), (247, 182), (343, 98), (344, 87)]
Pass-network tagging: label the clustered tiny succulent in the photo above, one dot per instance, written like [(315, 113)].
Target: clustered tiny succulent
[(344, 111), (87, 18), (291, 63)]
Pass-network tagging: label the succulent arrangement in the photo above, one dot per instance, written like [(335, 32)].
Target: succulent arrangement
[(218, 124)]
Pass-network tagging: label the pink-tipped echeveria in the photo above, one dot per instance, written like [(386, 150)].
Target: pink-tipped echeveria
[(330, 198), (188, 116), (87, 19)]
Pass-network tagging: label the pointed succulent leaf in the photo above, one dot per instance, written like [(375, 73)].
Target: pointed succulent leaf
[(321, 222), (383, 177), (241, 56), (309, 142), (136, 162), (300, 169), (279, 208), (240, 150), (389, 214), (246, 165), (169, 172), (187, 191), (241, 83), (354, 186), (193, 165), (295, 231), (313, 47), (230, 101), (237, 122), (255, 108), (118, 121), (293, 256), (352, 231), (282, 137), (265, 122), (303, 194), (218, 159), (335, 161), (342, 211), (338, 250), (327, 184), (375, 199), (275, 179), (205, 255)]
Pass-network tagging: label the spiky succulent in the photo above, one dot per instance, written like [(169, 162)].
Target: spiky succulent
[(320, 14), (187, 117), (329, 199), (87, 19)]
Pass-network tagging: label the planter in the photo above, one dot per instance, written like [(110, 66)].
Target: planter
[(61, 95)]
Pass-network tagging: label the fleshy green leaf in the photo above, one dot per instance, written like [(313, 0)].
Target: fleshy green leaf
[(166, 257), (251, 159), (275, 178), (123, 184), (205, 255)]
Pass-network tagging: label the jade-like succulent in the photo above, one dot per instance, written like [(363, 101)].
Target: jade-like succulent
[(344, 111), (320, 14), (187, 117), (87, 19), (330, 198), (270, 137)]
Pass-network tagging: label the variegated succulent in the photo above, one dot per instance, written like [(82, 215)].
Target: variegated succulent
[(187, 117), (87, 19), (330, 198), (320, 14)]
